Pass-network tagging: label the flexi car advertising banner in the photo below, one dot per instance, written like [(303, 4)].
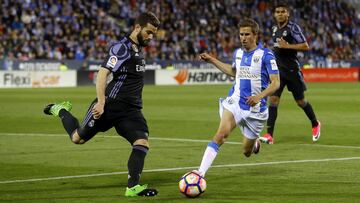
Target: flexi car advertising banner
[(27, 79)]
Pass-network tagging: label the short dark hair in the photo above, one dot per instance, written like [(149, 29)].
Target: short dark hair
[(248, 22), (148, 17), (282, 4)]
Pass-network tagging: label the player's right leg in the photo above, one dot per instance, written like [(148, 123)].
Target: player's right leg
[(274, 101), (71, 124), (227, 124), (62, 110)]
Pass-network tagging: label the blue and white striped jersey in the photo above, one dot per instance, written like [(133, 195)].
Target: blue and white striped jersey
[(253, 71)]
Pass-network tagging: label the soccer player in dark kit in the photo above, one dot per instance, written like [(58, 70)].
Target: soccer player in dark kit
[(118, 103), (288, 39)]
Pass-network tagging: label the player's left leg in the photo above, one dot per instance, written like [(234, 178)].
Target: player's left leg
[(297, 87), (316, 125), (135, 166)]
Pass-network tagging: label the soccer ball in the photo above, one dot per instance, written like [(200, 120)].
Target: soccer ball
[(192, 184)]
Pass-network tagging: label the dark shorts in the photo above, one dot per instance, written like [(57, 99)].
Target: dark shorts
[(128, 121), (294, 81)]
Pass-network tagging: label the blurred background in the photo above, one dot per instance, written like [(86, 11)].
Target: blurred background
[(74, 34), (58, 45)]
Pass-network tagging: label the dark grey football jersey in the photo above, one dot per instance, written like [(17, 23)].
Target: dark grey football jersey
[(287, 58), (127, 65)]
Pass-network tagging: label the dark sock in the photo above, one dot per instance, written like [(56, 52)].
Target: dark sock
[(271, 120), (69, 122), (310, 114), (136, 164)]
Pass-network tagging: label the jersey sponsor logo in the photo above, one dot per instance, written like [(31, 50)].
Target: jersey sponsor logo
[(244, 72), (273, 64), (140, 68), (112, 61)]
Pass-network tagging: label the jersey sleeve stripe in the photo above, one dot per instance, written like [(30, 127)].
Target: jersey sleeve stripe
[(297, 33)]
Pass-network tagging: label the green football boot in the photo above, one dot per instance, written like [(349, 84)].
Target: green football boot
[(54, 109), (140, 190)]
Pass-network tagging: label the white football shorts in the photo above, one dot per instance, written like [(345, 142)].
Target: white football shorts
[(250, 123)]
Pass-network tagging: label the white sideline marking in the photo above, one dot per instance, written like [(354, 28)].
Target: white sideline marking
[(188, 140), (151, 138), (180, 168), (170, 139), (332, 146)]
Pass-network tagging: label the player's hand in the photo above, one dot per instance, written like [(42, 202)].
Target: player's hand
[(97, 110), (282, 43), (253, 100), (205, 57)]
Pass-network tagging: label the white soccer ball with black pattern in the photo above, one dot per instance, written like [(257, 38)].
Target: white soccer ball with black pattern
[(192, 185)]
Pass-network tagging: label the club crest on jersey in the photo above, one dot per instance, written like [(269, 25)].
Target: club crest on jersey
[(134, 47), (230, 101), (112, 61), (256, 59), (91, 123)]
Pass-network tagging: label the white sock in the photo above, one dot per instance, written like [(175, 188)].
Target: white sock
[(208, 158)]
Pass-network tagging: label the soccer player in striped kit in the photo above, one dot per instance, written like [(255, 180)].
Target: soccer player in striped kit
[(256, 77), (119, 103)]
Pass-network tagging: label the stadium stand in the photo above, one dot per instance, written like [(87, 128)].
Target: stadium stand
[(80, 29)]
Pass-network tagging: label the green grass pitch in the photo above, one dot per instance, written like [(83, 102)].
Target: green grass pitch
[(35, 150)]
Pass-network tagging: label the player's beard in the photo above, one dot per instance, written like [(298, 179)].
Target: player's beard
[(141, 40)]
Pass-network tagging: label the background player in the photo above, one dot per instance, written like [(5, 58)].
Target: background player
[(256, 77), (288, 39), (119, 103)]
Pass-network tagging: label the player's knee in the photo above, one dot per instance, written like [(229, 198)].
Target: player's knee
[(220, 138), (76, 139), (143, 142), (301, 103)]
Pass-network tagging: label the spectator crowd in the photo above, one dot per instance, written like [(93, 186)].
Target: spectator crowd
[(82, 29)]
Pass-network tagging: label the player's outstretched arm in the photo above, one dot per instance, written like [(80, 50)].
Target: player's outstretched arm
[(224, 67)]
